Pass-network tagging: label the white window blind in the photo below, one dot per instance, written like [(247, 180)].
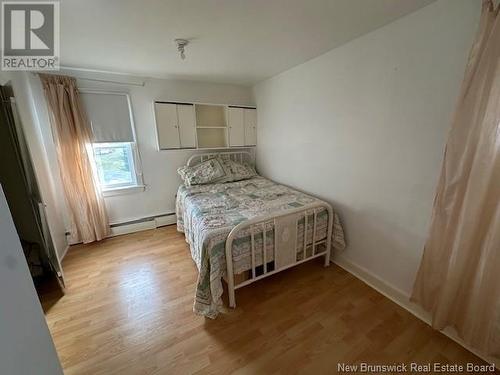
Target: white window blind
[(109, 115)]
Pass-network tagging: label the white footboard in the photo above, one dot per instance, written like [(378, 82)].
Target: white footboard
[(286, 237)]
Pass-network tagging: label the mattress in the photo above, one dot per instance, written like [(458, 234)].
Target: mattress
[(207, 213)]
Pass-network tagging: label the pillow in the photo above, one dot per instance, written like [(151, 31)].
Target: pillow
[(207, 172), (238, 171)]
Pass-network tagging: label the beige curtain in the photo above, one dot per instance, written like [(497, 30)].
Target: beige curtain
[(72, 136), (459, 276)]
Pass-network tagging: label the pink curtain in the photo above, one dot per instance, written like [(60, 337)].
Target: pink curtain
[(73, 136), (459, 276)]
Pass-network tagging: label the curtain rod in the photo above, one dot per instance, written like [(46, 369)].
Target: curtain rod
[(109, 81), (106, 81)]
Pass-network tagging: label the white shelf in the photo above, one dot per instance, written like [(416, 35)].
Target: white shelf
[(210, 115), (211, 126), (211, 138), (204, 126)]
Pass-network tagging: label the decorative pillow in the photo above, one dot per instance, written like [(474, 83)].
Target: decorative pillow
[(207, 172), (238, 171), (227, 170)]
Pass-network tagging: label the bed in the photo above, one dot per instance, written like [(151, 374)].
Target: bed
[(246, 230)]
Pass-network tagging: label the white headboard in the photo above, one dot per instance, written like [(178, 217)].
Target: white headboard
[(241, 156)]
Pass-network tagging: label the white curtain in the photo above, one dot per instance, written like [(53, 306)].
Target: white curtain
[(72, 136), (459, 276)]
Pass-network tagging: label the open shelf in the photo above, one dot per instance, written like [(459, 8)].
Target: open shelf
[(212, 137), (210, 115), (211, 126)]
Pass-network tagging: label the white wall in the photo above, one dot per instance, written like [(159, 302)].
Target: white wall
[(364, 127), (26, 346), (159, 167)]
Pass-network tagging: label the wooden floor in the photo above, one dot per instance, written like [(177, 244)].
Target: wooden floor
[(128, 310)]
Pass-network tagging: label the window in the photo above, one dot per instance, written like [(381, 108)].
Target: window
[(115, 165), (116, 161)]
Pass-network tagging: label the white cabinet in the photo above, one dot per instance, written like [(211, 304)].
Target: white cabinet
[(204, 126), (187, 125), (236, 126), (250, 123), (175, 125), (242, 126), (166, 124)]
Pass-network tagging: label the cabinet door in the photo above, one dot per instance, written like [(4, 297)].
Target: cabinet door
[(236, 127), (250, 118), (167, 125), (187, 125)]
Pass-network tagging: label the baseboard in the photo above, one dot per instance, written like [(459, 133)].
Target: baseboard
[(132, 228), (394, 294), (162, 221), (137, 225), (402, 299), (61, 257)]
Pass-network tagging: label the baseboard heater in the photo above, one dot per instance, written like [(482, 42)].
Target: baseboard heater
[(132, 226), (144, 219), (145, 223)]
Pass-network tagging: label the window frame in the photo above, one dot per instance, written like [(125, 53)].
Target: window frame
[(136, 160), (129, 150)]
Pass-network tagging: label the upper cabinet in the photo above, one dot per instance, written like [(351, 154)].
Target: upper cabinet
[(204, 126), (242, 126), (187, 131), (236, 127), (175, 124), (250, 121)]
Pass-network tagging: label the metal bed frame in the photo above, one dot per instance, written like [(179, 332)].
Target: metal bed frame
[(286, 233)]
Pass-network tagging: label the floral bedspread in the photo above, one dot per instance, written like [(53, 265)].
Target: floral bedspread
[(207, 213)]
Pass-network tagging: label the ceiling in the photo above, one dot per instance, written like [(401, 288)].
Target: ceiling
[(232, 41)]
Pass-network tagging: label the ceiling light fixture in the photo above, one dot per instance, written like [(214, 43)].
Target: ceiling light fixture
[(181, 44)]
